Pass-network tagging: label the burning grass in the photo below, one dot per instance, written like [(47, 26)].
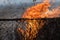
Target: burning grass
[(38, 11)]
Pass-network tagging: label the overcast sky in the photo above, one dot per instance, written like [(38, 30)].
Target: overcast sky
[(18, 1)]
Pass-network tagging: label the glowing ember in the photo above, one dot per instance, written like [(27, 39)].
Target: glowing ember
[(38, 11)]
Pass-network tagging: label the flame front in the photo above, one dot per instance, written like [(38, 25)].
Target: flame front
[(38, 11)]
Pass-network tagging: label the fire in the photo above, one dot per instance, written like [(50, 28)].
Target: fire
[(41, 11), (38, 11)]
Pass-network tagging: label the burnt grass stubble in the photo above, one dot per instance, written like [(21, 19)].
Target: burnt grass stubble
[(50, 31)]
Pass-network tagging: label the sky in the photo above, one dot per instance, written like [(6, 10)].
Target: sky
[(3, 2)]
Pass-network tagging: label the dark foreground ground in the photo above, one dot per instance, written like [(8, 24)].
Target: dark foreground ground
[(50, 31)]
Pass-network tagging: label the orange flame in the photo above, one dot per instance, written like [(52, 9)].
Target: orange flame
[(38, 11), (41, 11)]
